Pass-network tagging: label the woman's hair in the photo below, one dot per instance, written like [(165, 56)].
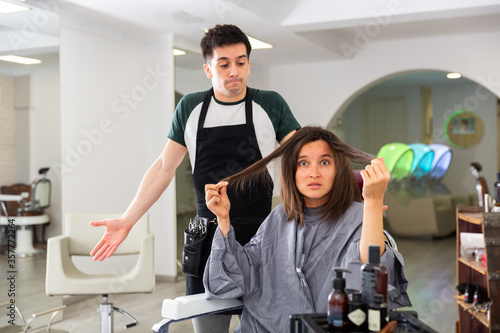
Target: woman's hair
[(344, 190), (222, 35)]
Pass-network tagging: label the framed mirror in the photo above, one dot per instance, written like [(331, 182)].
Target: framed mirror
[(464, 129)]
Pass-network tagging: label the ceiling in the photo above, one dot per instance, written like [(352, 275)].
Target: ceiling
[(301, 30)]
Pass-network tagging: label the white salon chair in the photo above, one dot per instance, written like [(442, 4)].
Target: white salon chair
[(64, 277)]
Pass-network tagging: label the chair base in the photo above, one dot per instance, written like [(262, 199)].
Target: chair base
[(24, 242), (106, 311)]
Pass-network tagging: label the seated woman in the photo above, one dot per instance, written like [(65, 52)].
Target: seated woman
[(287, 267)]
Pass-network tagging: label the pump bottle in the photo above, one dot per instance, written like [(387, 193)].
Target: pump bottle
[(373, 276), (338, 302)]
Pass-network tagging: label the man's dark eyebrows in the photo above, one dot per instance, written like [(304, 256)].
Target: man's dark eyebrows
[(226, 58)]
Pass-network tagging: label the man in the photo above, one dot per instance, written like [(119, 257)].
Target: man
[(224, 129)]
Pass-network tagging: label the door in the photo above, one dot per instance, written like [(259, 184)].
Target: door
[(385, 120)]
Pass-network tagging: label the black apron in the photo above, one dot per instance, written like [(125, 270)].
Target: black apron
[(220, 152)]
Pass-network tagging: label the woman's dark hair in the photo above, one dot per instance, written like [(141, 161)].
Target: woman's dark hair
[(345, 188), (223, 35)]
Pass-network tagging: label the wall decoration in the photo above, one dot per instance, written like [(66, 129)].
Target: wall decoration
[(464, 129)]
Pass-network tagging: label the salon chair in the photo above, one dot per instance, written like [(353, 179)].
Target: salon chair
[(26, 204), (68, 276)]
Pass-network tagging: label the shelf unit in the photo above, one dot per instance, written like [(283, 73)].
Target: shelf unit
[(472, 219)]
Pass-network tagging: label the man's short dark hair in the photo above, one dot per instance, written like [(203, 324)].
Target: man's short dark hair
[(223, 35)]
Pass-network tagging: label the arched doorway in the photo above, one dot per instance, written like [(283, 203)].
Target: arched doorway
[(413, 107)]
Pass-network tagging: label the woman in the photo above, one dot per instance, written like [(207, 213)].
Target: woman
[(287, 267)]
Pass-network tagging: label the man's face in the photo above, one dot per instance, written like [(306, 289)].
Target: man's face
[(229, 69)]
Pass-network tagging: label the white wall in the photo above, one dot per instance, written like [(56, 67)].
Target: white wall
[(117, 97), (472, 98), (22, 103), (191, 80), (7, 131), (45, 136), (352, 115), (316, 92)]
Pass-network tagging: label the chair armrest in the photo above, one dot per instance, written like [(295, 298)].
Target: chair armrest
[(185, 307), (57, 258), (143, 273)]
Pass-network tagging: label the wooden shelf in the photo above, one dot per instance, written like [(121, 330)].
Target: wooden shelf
[(474, 265), (471, 217), (479, 316)]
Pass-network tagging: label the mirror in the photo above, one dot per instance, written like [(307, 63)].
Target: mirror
[(26, 93)]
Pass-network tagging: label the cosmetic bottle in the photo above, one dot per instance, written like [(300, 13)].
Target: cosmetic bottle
[(338, 302), (481, 186), (357, 316), (373, 276), (377, 314), (496, 188), (477, 299), (468, 294)]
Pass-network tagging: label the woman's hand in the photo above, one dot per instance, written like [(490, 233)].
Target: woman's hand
[(376, 177), (219, 204)]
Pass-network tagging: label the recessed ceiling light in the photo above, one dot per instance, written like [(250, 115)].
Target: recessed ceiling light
[(9, 7), (258, 44), (179, 52), (453, 75), (20, 60)]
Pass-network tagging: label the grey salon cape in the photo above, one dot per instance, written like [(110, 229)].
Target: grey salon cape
[(287, 268)]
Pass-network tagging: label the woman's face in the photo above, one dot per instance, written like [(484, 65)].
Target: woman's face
[(315, 173)]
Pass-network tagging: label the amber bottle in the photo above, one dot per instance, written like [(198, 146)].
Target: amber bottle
[(373, 276), (338, 302)]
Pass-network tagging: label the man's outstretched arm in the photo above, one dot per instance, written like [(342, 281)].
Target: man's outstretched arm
[(154, 183)]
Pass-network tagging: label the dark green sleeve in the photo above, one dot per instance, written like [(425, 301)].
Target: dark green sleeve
[(278, 110), (181, 115)]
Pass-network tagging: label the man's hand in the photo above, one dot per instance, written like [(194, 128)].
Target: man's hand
[(115, 234)]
